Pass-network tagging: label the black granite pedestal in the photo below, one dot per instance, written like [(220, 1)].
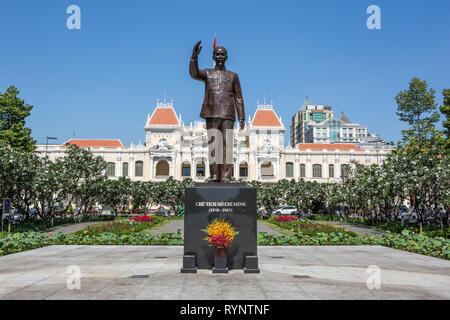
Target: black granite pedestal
[(233, 202)]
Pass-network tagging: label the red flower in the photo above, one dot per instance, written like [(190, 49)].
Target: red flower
[(286, 219), (142, 219)]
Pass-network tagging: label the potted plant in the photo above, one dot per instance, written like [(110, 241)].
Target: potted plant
[(220, 235)]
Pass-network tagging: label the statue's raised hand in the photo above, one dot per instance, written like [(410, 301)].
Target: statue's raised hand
[(197, 50)]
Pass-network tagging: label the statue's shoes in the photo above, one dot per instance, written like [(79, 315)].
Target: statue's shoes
[(225, 180)]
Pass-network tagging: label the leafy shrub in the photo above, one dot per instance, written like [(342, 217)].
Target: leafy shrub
[(418, 243), (301, 239), (18, 242)]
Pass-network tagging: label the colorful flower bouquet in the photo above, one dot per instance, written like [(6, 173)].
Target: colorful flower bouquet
[(220, 233)]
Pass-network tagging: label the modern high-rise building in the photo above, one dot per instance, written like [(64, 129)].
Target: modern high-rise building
[(340, 130), (309, 113)]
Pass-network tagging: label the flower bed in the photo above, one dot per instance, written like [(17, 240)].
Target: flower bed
[(142, 219), (18, 242), (418, 243), (286, 219)]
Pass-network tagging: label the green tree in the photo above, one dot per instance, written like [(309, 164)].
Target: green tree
[(13, 112), (417, 107), (18, 170), (171, 192), (82, 178), (445, 109), (47, 185), (116, 194)]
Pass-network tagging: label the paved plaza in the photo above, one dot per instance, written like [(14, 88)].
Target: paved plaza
[(153, 272)]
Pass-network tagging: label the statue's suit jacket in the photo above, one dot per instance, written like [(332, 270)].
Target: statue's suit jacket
[(222, 92)]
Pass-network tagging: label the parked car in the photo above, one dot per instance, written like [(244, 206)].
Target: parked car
[(284, 210), (17, 217), (6, 216)]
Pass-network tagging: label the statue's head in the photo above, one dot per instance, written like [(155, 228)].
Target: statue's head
[(220, 56)]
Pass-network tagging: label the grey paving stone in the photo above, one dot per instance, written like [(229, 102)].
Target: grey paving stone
[(287, 295), (328, 272)]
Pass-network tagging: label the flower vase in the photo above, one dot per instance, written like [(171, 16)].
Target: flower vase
[(220, 260)]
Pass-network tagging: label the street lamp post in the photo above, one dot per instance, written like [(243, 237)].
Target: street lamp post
[(378, 141), (46, 146)]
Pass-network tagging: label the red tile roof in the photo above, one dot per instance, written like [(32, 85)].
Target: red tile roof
[(266, 118), (82, 143), (164, 116), (321, 146)]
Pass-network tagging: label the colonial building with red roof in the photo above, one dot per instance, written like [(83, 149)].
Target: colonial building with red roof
[(173, 148), (89, 143)]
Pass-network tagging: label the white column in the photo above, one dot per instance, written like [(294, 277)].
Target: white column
[(119, 168), (207, 173), (325, 172), (193, 169), (308, 167), (277, 169), (257, 169), (236, 169), (297, 168), (131, 168), (337, 167), (151, 168), (337, 170), (173, 166)]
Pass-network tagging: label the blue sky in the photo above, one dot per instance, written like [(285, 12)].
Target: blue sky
[(101, 81)]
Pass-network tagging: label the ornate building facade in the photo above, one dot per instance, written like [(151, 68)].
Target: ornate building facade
[(174, 149)]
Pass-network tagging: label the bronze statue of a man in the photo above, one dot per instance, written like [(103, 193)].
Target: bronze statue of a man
[(222, 96)]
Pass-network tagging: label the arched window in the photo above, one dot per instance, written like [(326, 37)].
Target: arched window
[(267, 169), (200, 169), (243, 170), (162, 169), (317, 171), (359, 167), (186, 170), (331, 171), (289, 170), (344, 171), (302, 170), (139, 169), (111, 169), (125, 169)]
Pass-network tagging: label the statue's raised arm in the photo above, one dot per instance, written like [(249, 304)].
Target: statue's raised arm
[(197, 50), (193, 65)]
